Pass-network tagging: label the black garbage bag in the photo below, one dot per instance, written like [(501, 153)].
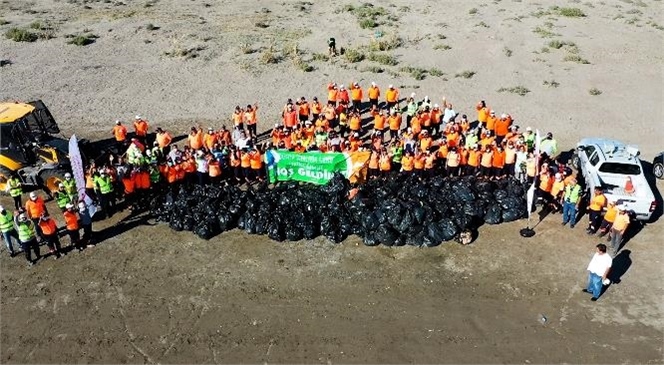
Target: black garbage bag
[(261, 224), (236, 209), (435, 235), (406, 222), (512, 214), (493, 214), (386, 235), (249, 223), (225, 221), (449, 229), (393, 213), (275, 232), (370, 239), (176, 224), (338, 185), (309, 230), (484, 186), (204, 231), (293, 233), (188, 223), (419, 214), (462, 221), (500, 194), (462, 192), (370, 222), (415, 237)]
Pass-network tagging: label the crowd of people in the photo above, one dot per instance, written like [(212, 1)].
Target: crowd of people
[(404, 135)]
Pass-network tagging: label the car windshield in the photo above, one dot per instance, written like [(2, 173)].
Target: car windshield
[(620, 168)]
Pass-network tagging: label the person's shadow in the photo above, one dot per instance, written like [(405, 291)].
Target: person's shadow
[(621, 263)]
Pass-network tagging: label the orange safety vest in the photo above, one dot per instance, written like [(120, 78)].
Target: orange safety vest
[(164, 139), (418, 161), (214, 168), (491, 123), (394, 122), (332, 94), (416, 125), (474, 158), (502, 127), (245, 160), (316, 108), (250, 116), (71, 220), (120, 133), (385, 163), (290, 119), (546, 182), (428, 161), (373, 161), (129, 184), (510, 155), (48, 227), (442, 151), (209, 140), (407, 163), (356, 93), (143, 180), (557, 187), (303, 109), (391, 95), (425, 143), (498, 159), (379, 122), (486, 159), (597, 202), (35, 208), (141, 128), (374, 92), (355, 123), (256, 161), (237, 118), (196, 140), (482, 113), (453, 159)]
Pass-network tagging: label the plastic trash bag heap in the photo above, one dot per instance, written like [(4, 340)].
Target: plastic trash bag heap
[(396, 211)]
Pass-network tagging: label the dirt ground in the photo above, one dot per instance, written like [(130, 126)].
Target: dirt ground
[(147, 294)]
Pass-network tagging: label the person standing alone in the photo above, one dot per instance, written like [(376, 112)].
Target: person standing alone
[(598, 269)]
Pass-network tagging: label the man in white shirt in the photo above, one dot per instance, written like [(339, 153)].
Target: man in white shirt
[(448, 114), (598, 269)]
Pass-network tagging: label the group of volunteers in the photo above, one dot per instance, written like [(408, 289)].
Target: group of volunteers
[(404, 136)]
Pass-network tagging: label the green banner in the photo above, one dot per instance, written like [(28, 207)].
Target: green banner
[(313, 167)]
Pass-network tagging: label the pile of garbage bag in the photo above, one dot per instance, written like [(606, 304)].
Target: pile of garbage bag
[(396, 211)]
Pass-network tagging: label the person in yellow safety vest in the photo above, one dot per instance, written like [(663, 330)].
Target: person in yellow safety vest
[(570, 202), (70, 187), (15, 190), (8, 231), (104, 190), (62, 198), (28, 237)]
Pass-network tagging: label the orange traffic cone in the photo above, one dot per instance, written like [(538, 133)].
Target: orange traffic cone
[(629, 187)]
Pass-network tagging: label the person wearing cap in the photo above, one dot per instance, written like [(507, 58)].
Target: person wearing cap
[(618, 228), (394, 123), (50, 233), (86, 224), (502, 127), (491, 121), (379, 122), (570, 202), (15, 189), (27, 236), (598, 270), (557, 189), (105, 190), (449, 114), (62, 198), (549, 145), (70, 187), (343, 97), (202, 168), (71, 225), (332, 93), (356, 94), (129, 180), (209, 139), (8, 231), (597, 205), (316, 108), (120, 133), (529, 138), (373, 92), (392, 97), (141, 127), (355, 123), (34, 208)]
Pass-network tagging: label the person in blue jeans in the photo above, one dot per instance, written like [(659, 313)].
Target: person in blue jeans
[(570, 202), (598, 268)]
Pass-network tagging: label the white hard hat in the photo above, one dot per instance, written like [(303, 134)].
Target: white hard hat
[(528, 129), (391, 86), (559, 175), (67, 175), (342, 87), (81, 206), (69, 206), (2, 208), (356, 134), (503, 115), (33, 195), (117, 122), (492, 112), (61, 186), (436, 106), (373, 83), (412, 95), (22, 217), (426, 98), (138, 116)]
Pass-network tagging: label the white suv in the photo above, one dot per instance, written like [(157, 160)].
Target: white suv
[(614, 166)]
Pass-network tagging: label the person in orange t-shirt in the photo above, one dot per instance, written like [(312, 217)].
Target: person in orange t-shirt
[(597, 204), (120, 134), (49, 231), (374, 93), (141, 129), (195, 138)]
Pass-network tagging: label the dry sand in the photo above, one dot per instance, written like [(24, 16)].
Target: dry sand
[(147, 294)]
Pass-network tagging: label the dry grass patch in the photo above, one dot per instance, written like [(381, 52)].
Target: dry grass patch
[(442, 47), (545, 33), (21, 35), (552, 83), (576, 59), (386, 44), (466, 74), (353, 55), (507, 52), (383, 59), (415, 72), (594, 91)]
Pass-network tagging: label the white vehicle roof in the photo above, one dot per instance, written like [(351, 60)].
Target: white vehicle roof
[(612, 150)]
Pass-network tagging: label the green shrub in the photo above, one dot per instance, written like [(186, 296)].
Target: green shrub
[(442, 47), (320, 57), (386, 44), (472, 11), (373, 69), (571, 12), (552, 83), (576, 59), (507, 51), (83, 39), (594, 91), (383, 59), (368, 23), (353, 55), (415, 72), (435, 72), (21, 35)]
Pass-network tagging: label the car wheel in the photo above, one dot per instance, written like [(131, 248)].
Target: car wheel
[(658, 170)]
